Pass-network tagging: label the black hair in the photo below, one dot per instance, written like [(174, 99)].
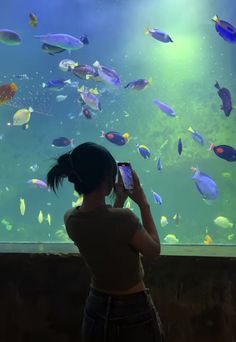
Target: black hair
[(86, 166)]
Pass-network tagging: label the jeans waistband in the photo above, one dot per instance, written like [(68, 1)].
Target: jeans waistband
[(136, 297)]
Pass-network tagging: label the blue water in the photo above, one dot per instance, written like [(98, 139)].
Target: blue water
[(183, 73)]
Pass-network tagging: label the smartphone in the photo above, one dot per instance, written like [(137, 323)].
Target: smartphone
[(126, 175)]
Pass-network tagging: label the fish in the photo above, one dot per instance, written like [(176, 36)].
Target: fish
[(63, 142), (180, 146), (108, 75), (22, 77), (164, 221), (165, 108), (205, 185), (90, 98), (171, 239), (115, 138), (40, 216), (157, 198), (224, 152), (226, 174), (87, 113), (61, 40), (61, 98), (51, 49), (67, 65), (22, 117), (159, 35), (196, 135), (84, 39), (223, 222), (177, 219), (22, 206), (208, 240), (231, 237), (143, 151), (159, 164), (39, 183), (128, 204), (7, 92), (33, 20), (78, 202), (34, 167), (225, 96), (225, 29), (49, 219), (85, 72), (10, 37), (56, 84), (139, 84)]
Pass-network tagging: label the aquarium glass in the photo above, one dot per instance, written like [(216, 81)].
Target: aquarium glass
[(163, 79)]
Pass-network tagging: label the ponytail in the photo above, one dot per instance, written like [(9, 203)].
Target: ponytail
[(61, 170)]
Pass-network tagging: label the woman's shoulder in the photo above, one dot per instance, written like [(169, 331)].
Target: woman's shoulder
[(68, 213), (124, 213)]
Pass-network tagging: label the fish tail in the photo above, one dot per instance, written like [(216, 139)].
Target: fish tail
[(103, 134), (72, 143), (217, 85), (211, 148), (96, 64), (147, 31), (68, 81), (127, 85), (31, 109), (190, 129), (216, 19), (43, 85)]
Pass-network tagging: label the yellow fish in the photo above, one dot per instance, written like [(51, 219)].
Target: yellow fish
[(49, 219), (171, 239), (208, 240), (128, 204), (78, 202), (164, 221), (231, 237), (33, 20), (40, 216), (22, 206), (22, 117), (223, 222)]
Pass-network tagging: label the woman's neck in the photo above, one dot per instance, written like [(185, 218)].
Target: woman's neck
[(92, 201)]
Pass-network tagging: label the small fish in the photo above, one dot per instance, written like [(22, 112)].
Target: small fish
[(87, 113), (157, 198), (22, 77), (22, 117), (61, 98), (226, 174), (231, 237), (225, 152), (34, 167), (85, 72), (128, 204), (62, 142), (67, 65), (115, 138), (225, 29), (33, 20), (144, 151), (49, 219), (61, 40), (56, 84), (108, 75), (159, 164), (90, 98), (139, 84), (7, 92), (171, 239), (38, 182), (177, 218), (40, 216), (205, 185), (180, 146), (165, 108), (196, 135), (208, 240), (223, 222), (159, 35), (225, 96), (51, 49), (22, 206), (9, 37), (164, 221)]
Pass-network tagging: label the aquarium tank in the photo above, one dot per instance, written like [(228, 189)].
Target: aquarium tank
[(153, 82)]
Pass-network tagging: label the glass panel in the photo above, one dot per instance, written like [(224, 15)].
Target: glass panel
[(185, 66)]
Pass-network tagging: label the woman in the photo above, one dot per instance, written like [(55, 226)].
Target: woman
[(110, 239)]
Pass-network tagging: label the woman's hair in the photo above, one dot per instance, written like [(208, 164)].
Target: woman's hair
[(86, 166)]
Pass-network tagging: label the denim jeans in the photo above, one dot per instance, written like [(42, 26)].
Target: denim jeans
[(126, 318)]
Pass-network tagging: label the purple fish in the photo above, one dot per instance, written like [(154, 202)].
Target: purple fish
[(180, 146), (225, 29), (56, 84), (115, 138), (165, 108), (157, 198), (205, 185), (85, 72), (62, 142), (61, 40), (38, 182), (225, 96), (108, 75), (139, 84), (90, 99), (159, 35)]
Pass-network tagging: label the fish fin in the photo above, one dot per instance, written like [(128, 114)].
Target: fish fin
[(31, 109), (81, 89), (94, 91), (147, 31), (72, 143), (217, 85), (103, 134), (211, 148), (88, 77), (68, 81), (96, 64), (216, 19), (190, 129), (43, 85)]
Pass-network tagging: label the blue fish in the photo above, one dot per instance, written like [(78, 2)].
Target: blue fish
[(62, 142), (108, 75), (56, 84), (157, 198), (205, 185), (159, 164), (225, 29), (159, 35), (9, 37), (180, 146), (144, 151), (196, 135), (139, 84), (165, 108), (115, 138), (61, 40)]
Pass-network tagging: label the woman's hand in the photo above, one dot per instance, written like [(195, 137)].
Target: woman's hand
[(121, 193), (137, 194)]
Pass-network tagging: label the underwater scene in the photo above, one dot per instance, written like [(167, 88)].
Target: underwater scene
[(153, 82)]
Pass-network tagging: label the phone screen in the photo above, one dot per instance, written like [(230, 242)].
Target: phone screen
[(126, 175)]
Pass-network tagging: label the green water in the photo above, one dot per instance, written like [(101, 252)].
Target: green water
[(183, 72)]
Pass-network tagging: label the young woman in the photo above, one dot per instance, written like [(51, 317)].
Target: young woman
[(119, 307)]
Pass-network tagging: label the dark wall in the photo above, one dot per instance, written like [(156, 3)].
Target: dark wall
[(42, 297)]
